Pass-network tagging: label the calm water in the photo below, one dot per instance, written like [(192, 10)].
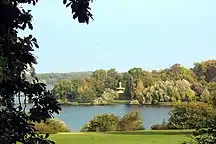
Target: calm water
[(76, 116)]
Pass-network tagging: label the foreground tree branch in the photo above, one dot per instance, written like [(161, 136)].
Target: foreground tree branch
[(16, 55)]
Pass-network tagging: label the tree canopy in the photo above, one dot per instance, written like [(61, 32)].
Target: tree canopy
[(174, 84), (17, 58)]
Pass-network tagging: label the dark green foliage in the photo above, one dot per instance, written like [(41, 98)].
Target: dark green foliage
[(102, 123), (160, 127), (190, 116), (66, 90), (51, 126), (127, 83), (110, 122), (80, 9), (85, 91), (16, 58), (112, 79), (163, 126), (207, 133), (86, 96)]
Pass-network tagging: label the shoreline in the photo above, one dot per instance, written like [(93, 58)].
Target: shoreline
[(124, 102)]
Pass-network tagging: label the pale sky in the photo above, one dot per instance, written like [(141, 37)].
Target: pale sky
[(151, 34)]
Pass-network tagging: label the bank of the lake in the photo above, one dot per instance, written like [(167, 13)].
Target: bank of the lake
[(125, 102), (76, 116), (114, 102), (117, 102)]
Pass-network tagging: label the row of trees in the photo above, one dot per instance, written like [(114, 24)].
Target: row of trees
[(51, 78), (174, 84)]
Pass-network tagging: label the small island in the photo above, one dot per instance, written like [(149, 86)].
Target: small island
[(169, 86)]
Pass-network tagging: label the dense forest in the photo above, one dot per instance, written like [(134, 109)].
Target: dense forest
[(174, 84)]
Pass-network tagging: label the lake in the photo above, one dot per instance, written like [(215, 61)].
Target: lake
[(76, 116)]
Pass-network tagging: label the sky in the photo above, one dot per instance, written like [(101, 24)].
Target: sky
[(150, 34)]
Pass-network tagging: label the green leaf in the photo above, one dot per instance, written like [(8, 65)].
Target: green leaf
[(64, 2), (47, 135), (36, 45), (51, 142), (34, 39), (67, 5), (75, 16), (30, 26)]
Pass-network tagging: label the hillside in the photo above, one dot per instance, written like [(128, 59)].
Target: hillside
[(51, 78)]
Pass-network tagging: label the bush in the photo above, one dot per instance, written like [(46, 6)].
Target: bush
[(51, 126), (107, 97), (206, 134), (160, 127), (102, 123), (110, 122), (130, 122), (134, 102), (163, 126), (190, 116), (100, 101)]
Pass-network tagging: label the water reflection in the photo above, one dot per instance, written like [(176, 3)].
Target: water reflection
[(76, 116)]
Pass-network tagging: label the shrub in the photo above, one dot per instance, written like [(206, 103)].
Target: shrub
[(100, 101), (102, 123), (163, 126), (51, 126), (130, 122), (134, 102), (107, 97), (206, 134), (110, 122), (160, 127), (189, 116)]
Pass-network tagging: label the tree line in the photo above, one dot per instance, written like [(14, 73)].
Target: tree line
[(174, 84), (51, 78)]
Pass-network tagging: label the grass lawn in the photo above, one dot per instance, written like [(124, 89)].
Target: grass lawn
[(147, 137)]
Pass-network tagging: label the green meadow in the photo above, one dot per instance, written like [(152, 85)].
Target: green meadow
[(137, 137)]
